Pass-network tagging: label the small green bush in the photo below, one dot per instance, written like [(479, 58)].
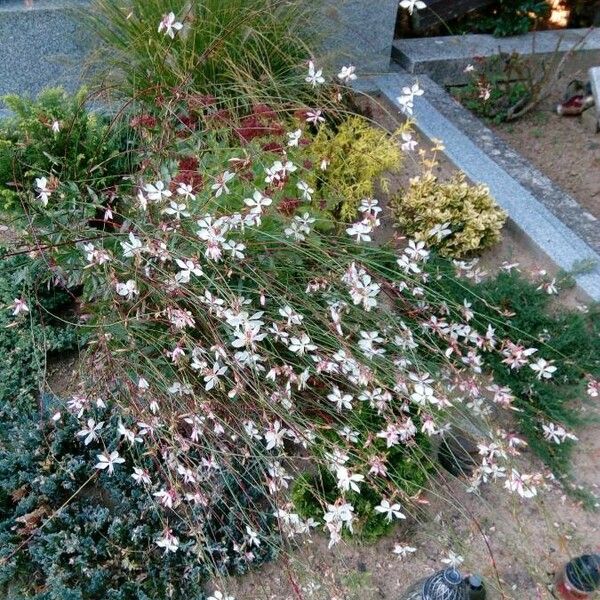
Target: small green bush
[(358, 155), (69, 535), (55, 136), (469, 212), (25, 340), (512, 17)]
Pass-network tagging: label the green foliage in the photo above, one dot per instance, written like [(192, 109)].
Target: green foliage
[(359, 154), (517, 309), (241, 50), (26, 339), (474, 219), (408, 469), (66, 534), (86, 150), (512, 17), (497, 85)]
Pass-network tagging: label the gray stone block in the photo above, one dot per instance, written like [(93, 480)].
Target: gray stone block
[(594, 76), (358, 32), (42, 46), (445, 58)]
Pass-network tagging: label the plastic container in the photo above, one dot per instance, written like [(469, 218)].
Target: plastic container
[(443, 585), (579, 578)]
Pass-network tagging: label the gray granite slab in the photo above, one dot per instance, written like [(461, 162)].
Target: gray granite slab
[(445, 58), (550, 218), (594, 76), (358, 32), (42, 46)]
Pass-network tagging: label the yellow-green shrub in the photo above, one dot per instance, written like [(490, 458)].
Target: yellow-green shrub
[(359, 154), (474, 218)]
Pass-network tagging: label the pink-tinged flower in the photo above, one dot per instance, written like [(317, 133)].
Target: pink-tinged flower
[(557, 434), (108, 461), (168, 541), (315, 117), (522, 484), (169, 25), (19, 306), (141, 476), (221, 181), (593, 388)]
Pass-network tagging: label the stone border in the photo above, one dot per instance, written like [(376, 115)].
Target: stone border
[(445, 58), (528, 197), (40, 46)]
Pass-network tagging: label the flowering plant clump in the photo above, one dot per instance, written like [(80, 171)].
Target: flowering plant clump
[(240, 340)]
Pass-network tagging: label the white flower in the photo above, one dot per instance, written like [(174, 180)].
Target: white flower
[(132, 247), (347, 74), (157, 191), (340, 400), (557, 433), (141, 476), (306, 190), (108, 461), (301, 345), (347, 481), (522, 484), (19, 306), (408, 144), (410, 5), (543, 368), (186, 190), (361, 230), (90, 433), (403, 551), (176, 210), (221, 182), (314, 77), (440, 231), (406, 100), (253, 539), (389, 510), (170, 25), (188, 268), (469, 69), (294, 138), (41, 187), (218, 595), (128, 289), (169, 542), (258, 202), (453, 560), (55, 126)]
